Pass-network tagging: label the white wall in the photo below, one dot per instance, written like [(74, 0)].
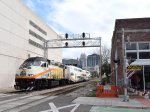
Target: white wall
[(14, 36)]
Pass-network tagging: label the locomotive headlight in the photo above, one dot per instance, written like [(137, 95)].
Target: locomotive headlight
[(30, 74)]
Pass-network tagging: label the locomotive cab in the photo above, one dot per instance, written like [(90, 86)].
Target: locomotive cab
[(29, 71), (38, 72)]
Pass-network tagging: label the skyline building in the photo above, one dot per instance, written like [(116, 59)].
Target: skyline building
[(83, 61), (93, 60)]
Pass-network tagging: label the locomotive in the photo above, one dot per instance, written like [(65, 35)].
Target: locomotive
[(38, 73)]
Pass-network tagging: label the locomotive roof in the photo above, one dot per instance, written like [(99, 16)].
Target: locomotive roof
[(37, 59)]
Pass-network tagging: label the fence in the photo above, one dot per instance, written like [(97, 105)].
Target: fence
[(106, 91)]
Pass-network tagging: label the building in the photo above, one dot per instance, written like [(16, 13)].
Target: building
[(22, 36), (83, 61), (93, 63), (136, 47), (93, 60), (73, 62)]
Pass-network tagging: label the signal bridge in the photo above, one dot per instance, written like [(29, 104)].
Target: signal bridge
[(73, 41)]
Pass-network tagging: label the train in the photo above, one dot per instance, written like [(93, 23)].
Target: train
[(38, 73)]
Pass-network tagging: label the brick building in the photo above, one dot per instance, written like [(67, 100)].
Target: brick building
[(136, 32)]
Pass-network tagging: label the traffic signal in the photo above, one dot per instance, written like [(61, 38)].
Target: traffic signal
[(83, 43), (66, 35), (83, 34), (66, 44)]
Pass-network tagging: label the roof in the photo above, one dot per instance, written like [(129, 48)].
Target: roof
[(36, 59), (141, 62)]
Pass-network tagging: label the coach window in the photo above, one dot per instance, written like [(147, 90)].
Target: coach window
[(144, 46)]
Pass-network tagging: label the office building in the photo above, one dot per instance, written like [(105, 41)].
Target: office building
[(73, 62), (83, 61), (22, 35), (93, 60)]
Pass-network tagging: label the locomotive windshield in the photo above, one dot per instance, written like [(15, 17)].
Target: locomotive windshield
[(33, 61), (30, 63)]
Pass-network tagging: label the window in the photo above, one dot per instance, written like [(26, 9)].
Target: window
[(35, 44), (132, 55), (44, 65), (131, 46), (37, 27), (36, 35), (138, 50), (143, 46), (144, 55)]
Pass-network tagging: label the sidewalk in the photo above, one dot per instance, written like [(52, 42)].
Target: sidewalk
[(7, 90), (114, 102)]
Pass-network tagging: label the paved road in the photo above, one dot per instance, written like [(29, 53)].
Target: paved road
[(62, 103)]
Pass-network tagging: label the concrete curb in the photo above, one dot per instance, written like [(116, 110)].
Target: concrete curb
[(130, 107), (144, 94)]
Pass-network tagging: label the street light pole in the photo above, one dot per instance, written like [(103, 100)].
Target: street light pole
[(126, 97)]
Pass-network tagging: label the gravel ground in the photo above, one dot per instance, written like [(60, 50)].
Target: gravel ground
[(88, 90)]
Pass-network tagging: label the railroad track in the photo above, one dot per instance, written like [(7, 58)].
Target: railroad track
[(36, 97)]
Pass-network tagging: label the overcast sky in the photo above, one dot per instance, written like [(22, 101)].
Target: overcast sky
[(96, 17)]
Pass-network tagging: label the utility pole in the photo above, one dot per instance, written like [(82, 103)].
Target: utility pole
[(100, 64), (126, 97)]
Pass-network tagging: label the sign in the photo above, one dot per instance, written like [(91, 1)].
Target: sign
[(107, 87), (134, 67)]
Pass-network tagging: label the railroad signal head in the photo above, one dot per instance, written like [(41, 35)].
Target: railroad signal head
[(83, 43), (66, 35), (83, 34), (66, 44)]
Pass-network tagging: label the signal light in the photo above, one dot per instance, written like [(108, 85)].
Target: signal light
[(83, 34), (66, 35), (83, 43), (66, 44)]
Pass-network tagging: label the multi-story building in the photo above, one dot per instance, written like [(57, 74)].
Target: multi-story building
[(136, 47), (83, 61), (22, 35), (73, 62), (93, 60), (93, 63)]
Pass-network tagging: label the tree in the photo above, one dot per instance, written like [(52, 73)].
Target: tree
[(105, 54)]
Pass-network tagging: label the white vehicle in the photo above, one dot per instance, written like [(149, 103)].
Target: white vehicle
[(86, 75), (74, 74)]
